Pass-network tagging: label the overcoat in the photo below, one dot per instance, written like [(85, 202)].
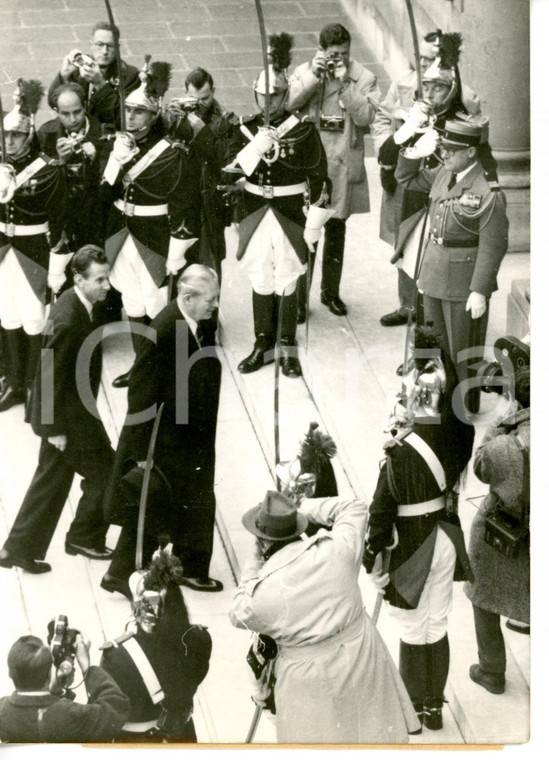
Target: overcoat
[(336, 682), (356, 103), (62, 719), (502, 584)]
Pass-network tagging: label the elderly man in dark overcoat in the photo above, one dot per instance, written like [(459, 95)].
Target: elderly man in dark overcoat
[(169, 369)]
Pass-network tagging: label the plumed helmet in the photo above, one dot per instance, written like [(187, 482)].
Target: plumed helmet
[(444, 68), (311, 473), (155, 80), (149, 588), (27, 98), (279, 54)]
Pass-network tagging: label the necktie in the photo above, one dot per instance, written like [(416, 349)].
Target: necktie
[(452, 181), (199, 335)]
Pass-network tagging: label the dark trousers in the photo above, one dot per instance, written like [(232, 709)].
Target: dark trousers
[(35, 524), (332, 256), (490, 642)]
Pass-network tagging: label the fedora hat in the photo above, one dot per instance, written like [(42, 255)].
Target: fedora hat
[(275, 519)]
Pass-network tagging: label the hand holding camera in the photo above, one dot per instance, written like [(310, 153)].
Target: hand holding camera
[(69, 66), (318, 63), (90, 70)]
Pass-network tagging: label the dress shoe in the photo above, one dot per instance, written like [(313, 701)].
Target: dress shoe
[(34, 566), (88, 551), (255, 360), (289, 363), (400, 370), (492, 682), (517, 627), (122, 381), (12, 396), (334, 303), (202, 584), (398, 317), (111, 584)]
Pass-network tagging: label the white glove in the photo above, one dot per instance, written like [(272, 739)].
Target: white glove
[(425, 146), (176, 254), (311, 237), (56, 270), (378, 578), (173, 266), (7, 183), (124, 148), (476, 304), (264, 140), (417, 120)]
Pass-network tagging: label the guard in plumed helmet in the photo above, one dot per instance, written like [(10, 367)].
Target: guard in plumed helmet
[(152, 190), (161, 659), (284, 174), (465, 240), (424, 461), (33, 253)]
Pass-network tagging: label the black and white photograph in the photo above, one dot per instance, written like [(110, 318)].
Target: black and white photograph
[(265, 349)]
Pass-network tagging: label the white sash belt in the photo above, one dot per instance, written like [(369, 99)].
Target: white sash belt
[(268, 191), (13, 230), (423, 508), (130, 209)]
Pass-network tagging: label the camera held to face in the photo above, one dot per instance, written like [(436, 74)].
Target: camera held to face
[(62, 643)]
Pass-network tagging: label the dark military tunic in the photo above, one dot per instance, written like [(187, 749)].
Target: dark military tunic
[(180, 666), (41, 199), (405, 478), (302, 159)]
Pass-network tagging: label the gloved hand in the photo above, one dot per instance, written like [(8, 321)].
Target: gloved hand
[(476, 304), (425, 146), (377, 576), (417, 120), (56, 281), (174, 265), (264, 140), (124, 148), (7, 183), (311, 237)]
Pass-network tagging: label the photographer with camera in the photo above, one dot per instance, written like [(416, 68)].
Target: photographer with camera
[(43, 708), (341, 97), (499, 541), (98, 76)]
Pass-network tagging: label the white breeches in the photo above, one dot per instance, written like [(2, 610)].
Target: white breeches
[(131, 277), (19, 304), (270, 260), (429, 621)]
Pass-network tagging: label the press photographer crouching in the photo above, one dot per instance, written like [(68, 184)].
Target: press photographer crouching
[(43, 708), (499, 542)]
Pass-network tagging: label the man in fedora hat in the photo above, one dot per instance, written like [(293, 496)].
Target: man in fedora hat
[(466, 237), (304, 593)]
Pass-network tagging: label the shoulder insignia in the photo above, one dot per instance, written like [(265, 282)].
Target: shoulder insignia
[(471, 200)]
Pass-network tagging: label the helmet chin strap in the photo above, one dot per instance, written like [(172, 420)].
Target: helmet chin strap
[(23, 150), (141, 133)]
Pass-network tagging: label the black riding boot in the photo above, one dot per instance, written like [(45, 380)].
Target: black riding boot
[(14, 390), (34, 343), (122, 381), (438, 665), (289, 361), (413, 669), (265, 332)]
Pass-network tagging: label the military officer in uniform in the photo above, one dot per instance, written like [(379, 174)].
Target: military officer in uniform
[(160, 664), (465, 241), (341, 97), (152, 190), (98, 76), (445, 98), (285, 170), (32, 250), (424, 460)]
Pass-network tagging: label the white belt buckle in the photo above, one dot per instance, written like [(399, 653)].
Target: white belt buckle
[(268, 191), (439, 240), (129, 208), (10, 229)]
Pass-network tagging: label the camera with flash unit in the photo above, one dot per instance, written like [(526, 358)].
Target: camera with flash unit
[(62, 643)]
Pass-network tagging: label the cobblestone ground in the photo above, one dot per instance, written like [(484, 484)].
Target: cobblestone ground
[(222, 37)]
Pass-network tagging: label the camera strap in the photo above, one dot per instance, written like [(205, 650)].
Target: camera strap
[(145, 670)]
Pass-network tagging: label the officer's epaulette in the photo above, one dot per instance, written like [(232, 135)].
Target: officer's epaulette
[(115, 643)]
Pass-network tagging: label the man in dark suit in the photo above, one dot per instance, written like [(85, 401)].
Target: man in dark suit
[(64, 415), (40, 710), (167, 371)]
